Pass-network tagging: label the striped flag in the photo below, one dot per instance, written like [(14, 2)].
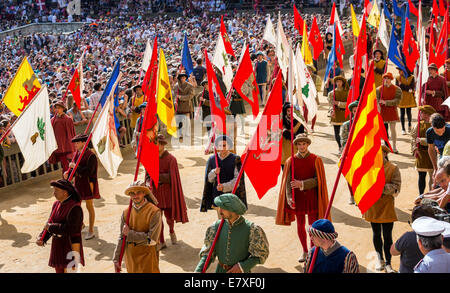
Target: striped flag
[(363, 166), (165, 108)]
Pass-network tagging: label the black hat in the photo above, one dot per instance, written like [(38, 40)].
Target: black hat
[(182, 73), (136, 86), (67, 186), (205, 81), (378, 50)]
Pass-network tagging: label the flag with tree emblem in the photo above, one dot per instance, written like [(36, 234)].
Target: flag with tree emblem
[(223, 63), (34, 132)]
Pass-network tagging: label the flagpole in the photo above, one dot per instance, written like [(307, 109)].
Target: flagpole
[(219, 229), (21, 114), (336, 182), (292, 150)]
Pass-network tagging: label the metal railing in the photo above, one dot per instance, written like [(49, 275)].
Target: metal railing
[(10, 173)]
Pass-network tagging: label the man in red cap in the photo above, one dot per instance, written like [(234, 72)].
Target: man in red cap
[(64, 132), (65, 228), (85, 178), (435, 92), (389, 96), (169, 192)]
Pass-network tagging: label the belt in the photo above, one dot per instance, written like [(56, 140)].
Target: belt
[(225, 267)]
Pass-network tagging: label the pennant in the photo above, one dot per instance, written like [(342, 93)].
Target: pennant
[(374, 16), (395, 53), (245, 82), (225, 38), (386, 12), (412, 8), (218, 103), (315, 38), (332, 57), (339, 48), (269, 32), (355, 25), (264, 148), (431, 53), (149, 82), (282, 48), (34, 132), (104, 138), (165, 108), (75, 89), (222, 61), (186, 59), (298, 21), (110, 85), (334, 18), (306, 52), (147, 56), (363, 167), (410, 48), (423, 63), (441, 8), (397, 10), (442, 43), (383, 34), (435, 10), (22, 88)]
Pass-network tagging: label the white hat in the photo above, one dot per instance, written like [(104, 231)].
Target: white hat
[(446, 232), (428, 227)]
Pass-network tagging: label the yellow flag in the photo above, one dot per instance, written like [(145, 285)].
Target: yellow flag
[(355, 25), (306, 52), (374, 16), (22, 89), (165, 107)]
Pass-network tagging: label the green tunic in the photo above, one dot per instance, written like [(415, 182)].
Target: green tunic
[(242, 242)]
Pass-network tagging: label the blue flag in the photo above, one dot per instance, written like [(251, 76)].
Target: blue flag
[(111, 82), (405, 15), (395, 53), (386, 12), (332, 56), (397, 10), (186, 60)]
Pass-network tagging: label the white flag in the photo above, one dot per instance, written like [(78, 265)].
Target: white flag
[(222, 62), (104, 139), (34, 132), (306, 89), (80, 73), (74, 7), (383, 33), (269, 32), (282, 48), (423, 63), (147, 56)]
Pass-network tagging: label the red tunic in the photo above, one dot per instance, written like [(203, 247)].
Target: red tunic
[(306, 201), (389, 113), (86, 175), (439, 85), (170, 192), (64, 132), (65, 229)]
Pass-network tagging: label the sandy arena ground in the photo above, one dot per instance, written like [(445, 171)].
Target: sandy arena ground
[(25, 208)]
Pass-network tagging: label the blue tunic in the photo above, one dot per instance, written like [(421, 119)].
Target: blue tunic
[(333, 263)]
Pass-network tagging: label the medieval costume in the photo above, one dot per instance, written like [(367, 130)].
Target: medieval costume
[(64, 132), (407, 101), (379, 68), (311, 200), (438, 85), (65, 228), (337, 258), (206, 108), (140, 252), (169, 192), (382, 216), (241, 242), (337, 111), (184, 105), (420, 150), (137, 100), (298, 128), (237, 107), (391, 96), (229, 171)]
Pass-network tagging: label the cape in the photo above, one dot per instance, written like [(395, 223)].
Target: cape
[(64, 132), (179, 210), (283, 216)]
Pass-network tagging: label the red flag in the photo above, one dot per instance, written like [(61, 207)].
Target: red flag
[(412, 8), (74, 87), (367, 7), (442, 44), (431, 54), (410, 47), (339, 48), (435, 11), (333, 11), (441, 8), (361, 50), (264, 149), (149, 152), (226, 40), (298, 21), (315, 38), (216, 99), (150, 78), (246, 76)]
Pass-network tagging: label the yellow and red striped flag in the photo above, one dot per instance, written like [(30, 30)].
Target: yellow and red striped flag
[(363, 165)]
